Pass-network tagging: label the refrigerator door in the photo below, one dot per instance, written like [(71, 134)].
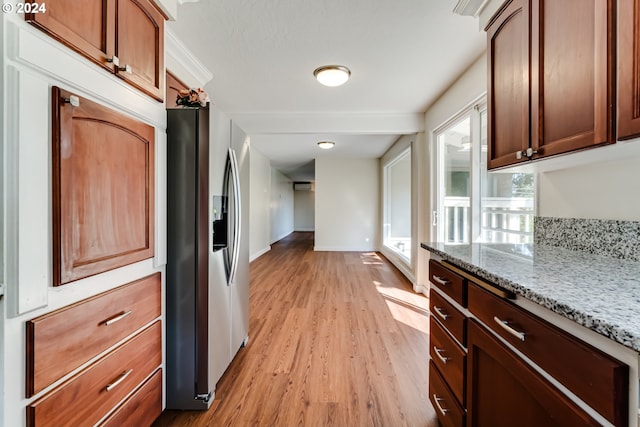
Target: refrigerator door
[(240, 285), (219, 291), (187, 289)]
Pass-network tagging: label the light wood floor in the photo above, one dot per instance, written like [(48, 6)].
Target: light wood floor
[(335, 339)]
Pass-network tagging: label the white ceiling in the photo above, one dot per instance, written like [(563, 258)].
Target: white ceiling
[(402, 54)]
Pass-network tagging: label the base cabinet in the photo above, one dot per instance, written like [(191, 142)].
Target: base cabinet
[(495, 364), (504, 391)]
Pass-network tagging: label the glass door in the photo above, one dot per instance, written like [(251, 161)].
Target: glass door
[(452, 216)]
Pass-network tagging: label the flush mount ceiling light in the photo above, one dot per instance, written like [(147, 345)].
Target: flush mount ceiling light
[(325, 145), (332, 75)]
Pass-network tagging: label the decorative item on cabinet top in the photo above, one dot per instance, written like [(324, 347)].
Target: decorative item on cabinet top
[(192, 98), (61, 341), (125, 37), (103, 188)]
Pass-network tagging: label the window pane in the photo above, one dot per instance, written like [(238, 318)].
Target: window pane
[(454, 147), (398, 205), (507, 201)]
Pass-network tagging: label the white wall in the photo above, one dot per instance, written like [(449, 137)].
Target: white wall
[(347, 204), (604, 190), (304, 207), (259, 205), (281, 211)]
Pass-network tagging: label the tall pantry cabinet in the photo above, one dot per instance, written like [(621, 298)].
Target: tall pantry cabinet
[(121, 301)]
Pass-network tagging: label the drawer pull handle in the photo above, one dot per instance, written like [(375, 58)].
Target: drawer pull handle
[(119, 380), (117, 318), (506, 327), (440, 313), (440, 280), (437, 399), (440, 356)]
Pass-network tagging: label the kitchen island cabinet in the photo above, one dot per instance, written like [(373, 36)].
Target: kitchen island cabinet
[(504, 391), (543, 331)]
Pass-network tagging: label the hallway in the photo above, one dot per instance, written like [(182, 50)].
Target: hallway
[(335, 339)]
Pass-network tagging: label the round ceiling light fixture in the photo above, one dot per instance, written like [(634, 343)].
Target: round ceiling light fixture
[(332, 75), (325, 145)]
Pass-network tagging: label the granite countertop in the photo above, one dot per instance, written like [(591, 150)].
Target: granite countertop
[(598, 292)]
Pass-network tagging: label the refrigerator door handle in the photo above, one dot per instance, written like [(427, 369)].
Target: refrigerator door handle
[(235, 179)]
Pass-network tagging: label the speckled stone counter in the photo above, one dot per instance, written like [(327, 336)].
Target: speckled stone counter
[(600, 293)]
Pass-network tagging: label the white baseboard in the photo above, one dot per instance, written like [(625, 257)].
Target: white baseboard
[(282, 236), (421, 289), (305, 229), (259, 254)]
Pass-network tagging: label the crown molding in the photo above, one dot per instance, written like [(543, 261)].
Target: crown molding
[(184, 64)]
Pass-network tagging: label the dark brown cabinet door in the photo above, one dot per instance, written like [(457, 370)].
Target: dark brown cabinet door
[(140, 46), (85, 26), (508, 85), (572, 85), (504, 392), (628, 69), (103, 189)]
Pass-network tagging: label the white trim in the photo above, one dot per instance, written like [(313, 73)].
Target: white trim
[(282, 236), (305, 229), (259, 253), (421, 289), (34, 49), (183, 63), (400, 263)]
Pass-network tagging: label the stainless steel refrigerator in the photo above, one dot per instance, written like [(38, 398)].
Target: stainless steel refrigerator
[(207, 279)]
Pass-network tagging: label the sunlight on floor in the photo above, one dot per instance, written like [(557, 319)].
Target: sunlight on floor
[(371, 258), (404, 305)]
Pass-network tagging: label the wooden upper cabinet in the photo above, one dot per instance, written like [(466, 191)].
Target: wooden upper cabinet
[(572, 85), (140, 46), (103, 189), (508, 85), (551, 79), (629, 69), (86, 26), (124, 36), (173, 85)]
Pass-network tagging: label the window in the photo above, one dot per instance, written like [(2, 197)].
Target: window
[(471, 203), (397, 205)]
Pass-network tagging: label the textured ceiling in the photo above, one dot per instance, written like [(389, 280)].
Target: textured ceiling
[(402, 53)]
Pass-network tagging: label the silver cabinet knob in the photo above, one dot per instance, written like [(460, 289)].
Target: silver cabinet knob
[(114, 60), (127, 69)]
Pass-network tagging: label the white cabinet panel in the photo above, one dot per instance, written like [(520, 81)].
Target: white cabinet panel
[(28, 212)]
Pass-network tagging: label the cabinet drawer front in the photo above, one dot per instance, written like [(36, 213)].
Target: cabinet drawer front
[(451, 284), (449, 358), (599, 380), (449, 411), (59, 342), (449, 316), (90, 395), (142, 408)]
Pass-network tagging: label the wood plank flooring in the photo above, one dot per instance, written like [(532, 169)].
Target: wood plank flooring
[(335, 339)]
